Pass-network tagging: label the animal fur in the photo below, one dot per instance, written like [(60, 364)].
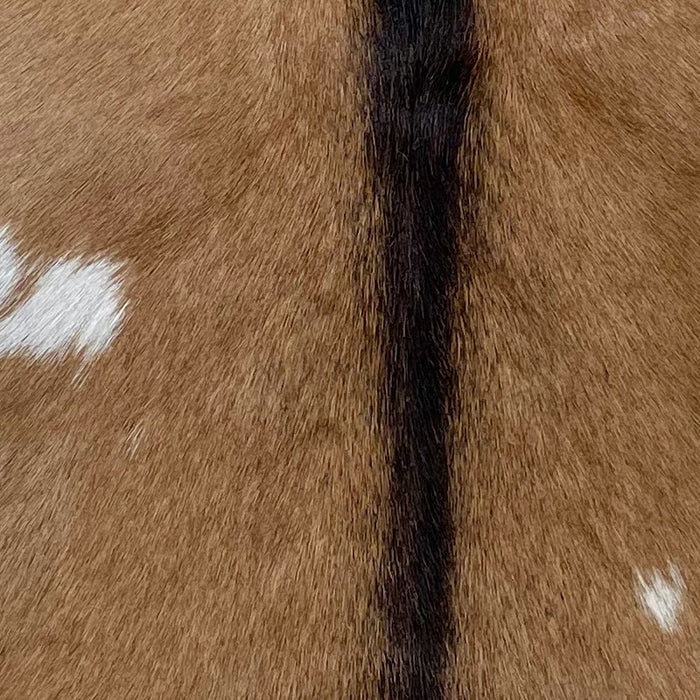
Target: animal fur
[(402, 399)]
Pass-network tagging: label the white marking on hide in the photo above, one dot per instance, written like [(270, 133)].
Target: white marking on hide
[(11, 271), (74, 306), (662, 599)]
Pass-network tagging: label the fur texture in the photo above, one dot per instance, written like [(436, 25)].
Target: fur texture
[(421, 57), (403, 397)]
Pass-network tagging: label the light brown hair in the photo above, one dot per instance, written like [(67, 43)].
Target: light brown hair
[(203, 511)]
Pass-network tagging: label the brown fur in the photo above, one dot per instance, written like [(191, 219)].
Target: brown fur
[(230, 553), (203, 516), (586, 298)]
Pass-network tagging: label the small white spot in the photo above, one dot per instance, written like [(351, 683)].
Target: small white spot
[(11, 271), (662, 599), (74, 306)]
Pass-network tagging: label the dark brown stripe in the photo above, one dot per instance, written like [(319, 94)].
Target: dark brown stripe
[(421, 61)]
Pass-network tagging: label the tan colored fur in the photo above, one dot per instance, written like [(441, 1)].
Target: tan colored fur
[(202, 516), (194, 520), (582, 464)]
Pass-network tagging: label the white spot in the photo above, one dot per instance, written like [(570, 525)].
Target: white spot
[(74, 306), (662, 599), (11, 271)]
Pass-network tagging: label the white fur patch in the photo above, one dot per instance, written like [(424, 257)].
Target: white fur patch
[(11, 266), (74, 306), (661, 598)]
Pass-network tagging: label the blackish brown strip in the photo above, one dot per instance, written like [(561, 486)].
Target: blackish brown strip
[(421, 61)]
